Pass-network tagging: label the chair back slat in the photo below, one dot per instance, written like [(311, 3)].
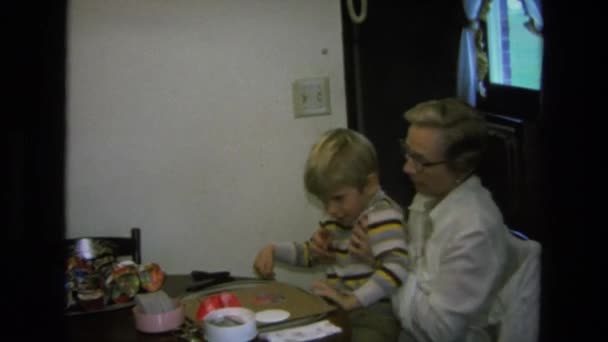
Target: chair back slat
[(121, 246)]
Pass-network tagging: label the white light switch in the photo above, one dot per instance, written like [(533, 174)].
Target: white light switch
[(311, 96)]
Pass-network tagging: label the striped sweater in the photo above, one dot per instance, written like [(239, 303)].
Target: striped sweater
[(369, 283)]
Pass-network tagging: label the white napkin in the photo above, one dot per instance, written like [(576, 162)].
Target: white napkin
[(155, 302), (303, 333)]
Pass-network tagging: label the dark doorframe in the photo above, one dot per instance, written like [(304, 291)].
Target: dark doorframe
[(33, 178), (405, 52)]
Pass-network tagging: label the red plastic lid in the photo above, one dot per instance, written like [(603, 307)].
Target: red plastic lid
[(216, 301)]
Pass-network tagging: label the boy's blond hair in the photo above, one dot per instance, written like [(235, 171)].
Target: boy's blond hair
[(341, 157)]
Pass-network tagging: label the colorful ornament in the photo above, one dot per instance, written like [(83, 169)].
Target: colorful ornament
[(151, 277)]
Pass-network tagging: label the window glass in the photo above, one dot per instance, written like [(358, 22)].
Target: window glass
[(514, 48)]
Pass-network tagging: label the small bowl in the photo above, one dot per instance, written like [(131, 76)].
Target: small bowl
[(161, 322), (244, 330)]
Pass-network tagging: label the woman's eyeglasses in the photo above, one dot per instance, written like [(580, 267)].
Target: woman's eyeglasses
[(418, 161)]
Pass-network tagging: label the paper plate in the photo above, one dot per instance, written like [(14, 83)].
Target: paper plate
[(271, 316)]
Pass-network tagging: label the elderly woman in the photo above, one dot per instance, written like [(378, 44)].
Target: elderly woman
[(456, 236)]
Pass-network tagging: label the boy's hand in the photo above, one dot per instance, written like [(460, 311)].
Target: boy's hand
[(319, 246), (359, 244), (346, 301), (264, 262)]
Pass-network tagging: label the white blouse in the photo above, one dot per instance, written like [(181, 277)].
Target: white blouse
[(458, 249)]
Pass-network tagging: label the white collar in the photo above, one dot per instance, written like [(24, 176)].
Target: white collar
[(468, 185)]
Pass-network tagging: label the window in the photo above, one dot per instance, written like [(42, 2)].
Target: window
[(514, 46)]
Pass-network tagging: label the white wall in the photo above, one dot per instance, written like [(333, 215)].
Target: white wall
[(180, 122)]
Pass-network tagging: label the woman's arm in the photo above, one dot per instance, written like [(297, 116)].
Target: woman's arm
[(442, 309)]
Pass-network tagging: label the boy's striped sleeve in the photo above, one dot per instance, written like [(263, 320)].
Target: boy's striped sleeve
[(387, 238), (293, 253)]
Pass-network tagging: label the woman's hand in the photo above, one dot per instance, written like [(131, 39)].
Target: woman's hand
[(264, 262), (359, 244), (319, 246), (346, 301)]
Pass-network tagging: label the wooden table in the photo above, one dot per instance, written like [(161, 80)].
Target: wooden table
[(119, 325)]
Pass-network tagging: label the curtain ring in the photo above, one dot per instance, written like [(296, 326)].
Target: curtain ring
[(360, 18)]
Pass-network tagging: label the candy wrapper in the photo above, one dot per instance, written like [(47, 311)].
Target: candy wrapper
[(124, 282), (151, 277), (89, 263), (95, 279)]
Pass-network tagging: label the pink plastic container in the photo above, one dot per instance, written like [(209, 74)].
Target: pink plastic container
[(158, 323)]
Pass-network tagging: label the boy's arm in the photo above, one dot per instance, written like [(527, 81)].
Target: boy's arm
[(346, 301), (293, 253), (315, 251), (320, 246), (264, 263), (387, 239), (359, 245)]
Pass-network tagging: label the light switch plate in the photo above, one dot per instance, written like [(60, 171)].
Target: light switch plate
[(311, 97)]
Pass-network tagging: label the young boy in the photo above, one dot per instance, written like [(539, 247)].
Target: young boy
[(342, 172)]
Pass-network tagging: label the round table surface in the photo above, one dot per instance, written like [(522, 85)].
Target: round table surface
[(119, 325)]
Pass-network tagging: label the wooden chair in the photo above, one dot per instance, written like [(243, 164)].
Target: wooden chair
[(94, 247)]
